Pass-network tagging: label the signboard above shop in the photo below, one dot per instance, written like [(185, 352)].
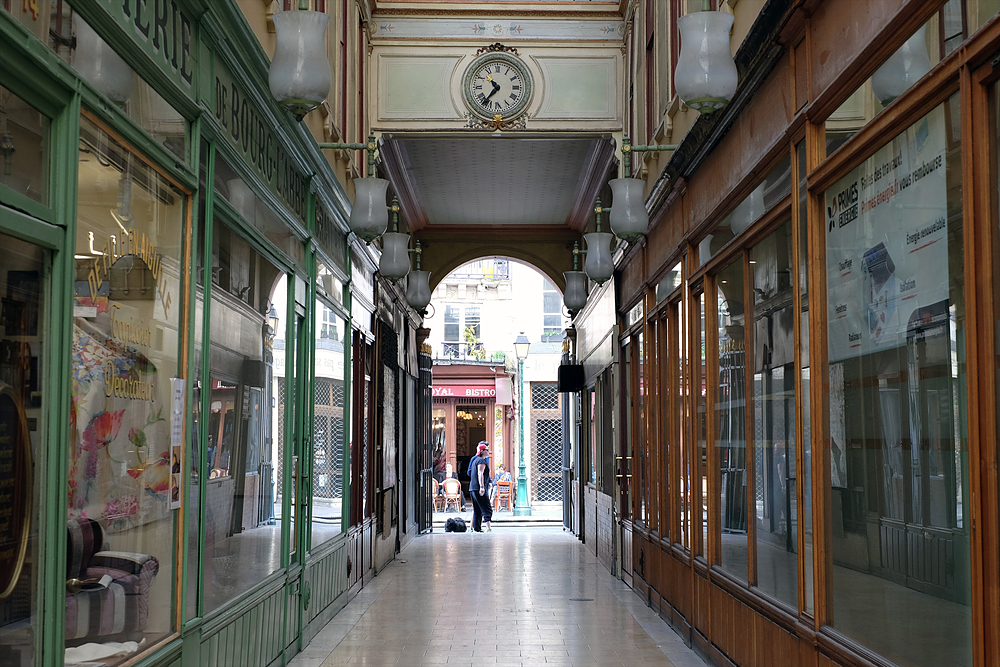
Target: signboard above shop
[(464, 392)]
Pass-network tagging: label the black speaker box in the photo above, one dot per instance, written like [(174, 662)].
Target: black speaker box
[(570, 377)]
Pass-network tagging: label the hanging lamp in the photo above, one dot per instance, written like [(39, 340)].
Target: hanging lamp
[(628, 216), (394, 263), (300, 77), (706, 76), (575, 296), (418, 288), (599, 265)]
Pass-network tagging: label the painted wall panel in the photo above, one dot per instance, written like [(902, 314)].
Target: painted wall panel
[(579, 88), (416, 87)]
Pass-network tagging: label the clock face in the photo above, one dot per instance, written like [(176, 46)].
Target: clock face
[(497, 84)]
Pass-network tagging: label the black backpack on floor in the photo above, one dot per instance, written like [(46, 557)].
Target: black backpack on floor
[(455, 525)]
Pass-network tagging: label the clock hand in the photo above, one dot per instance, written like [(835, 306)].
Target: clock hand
[(496, 87)]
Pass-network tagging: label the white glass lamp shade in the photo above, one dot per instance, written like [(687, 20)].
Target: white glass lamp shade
[(418, 289), (706, 75), (705, 250), (748, 210), (395, 260), (903, 68), (242, 198), (97, 62), (628, 211), (575, 297), (369, 215), (521, 345), (300, 72), (599, 265)]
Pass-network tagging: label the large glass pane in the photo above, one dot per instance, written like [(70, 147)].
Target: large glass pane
[(86, 52), (682, 458), (947, 28), (803, 393), (246, 405), (328, 425), (24, 293), (701, 423), (774, 415), (24, 148), (899, 456), (731, 423), (126, 333)]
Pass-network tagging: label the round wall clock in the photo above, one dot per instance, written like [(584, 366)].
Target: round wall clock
[(497, 84)]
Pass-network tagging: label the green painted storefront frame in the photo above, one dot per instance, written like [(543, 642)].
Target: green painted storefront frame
[(41, 78)]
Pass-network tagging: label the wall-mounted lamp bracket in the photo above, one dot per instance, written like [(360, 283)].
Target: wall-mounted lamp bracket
[(370, 146), (628, 148)]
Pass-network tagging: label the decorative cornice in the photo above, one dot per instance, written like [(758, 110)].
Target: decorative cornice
[(598, 164)]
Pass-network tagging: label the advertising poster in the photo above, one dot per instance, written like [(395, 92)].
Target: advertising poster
[(887, 243)]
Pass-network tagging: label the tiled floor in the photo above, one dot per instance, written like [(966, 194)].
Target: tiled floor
[(516, 596)]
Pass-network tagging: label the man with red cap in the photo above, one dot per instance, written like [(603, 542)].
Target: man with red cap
[(479, 484)]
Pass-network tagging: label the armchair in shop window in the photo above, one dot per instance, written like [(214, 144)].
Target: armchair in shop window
[(107, 592), (453, 494)]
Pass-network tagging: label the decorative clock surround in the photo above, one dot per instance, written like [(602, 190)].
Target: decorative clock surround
[(497, 85)]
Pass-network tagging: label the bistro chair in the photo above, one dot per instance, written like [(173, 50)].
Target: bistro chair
[(452, 494), (504, 496), (436, 498)]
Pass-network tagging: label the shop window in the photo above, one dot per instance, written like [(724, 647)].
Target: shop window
[(328, 426), (803, 351), (897, 410), (731, 422), (947, 29), (700, 467), (24, 150), (85, 51), (124, 470), (773, 414), (770, 191), (243, 468), (24, 298)]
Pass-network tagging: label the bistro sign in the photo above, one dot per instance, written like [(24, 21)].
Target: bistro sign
[(464, 392)]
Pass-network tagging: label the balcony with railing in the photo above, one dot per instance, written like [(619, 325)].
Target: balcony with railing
[(468, 353)]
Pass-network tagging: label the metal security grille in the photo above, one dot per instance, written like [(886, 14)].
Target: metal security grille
[(546, 443), (328, 439), (544, 397), (279, 436)]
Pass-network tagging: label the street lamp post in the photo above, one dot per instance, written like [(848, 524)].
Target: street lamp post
[(522, 507)]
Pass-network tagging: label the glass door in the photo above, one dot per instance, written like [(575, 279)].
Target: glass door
[(24, 294)]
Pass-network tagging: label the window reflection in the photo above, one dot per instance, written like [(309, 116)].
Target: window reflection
[(774, 396), (125, 339), (24, 148), (243, 432), (85, 51), (328, 425), (898, 458), (23, 292), (731, 424)]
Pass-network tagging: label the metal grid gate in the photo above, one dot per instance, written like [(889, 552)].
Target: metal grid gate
[(328, 439), (546, 443)]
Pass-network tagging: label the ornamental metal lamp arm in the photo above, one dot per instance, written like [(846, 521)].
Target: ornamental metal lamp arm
[(628, 148), (369, 146)]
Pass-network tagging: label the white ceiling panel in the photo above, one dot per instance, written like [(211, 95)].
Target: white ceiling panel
[(496, 180)]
